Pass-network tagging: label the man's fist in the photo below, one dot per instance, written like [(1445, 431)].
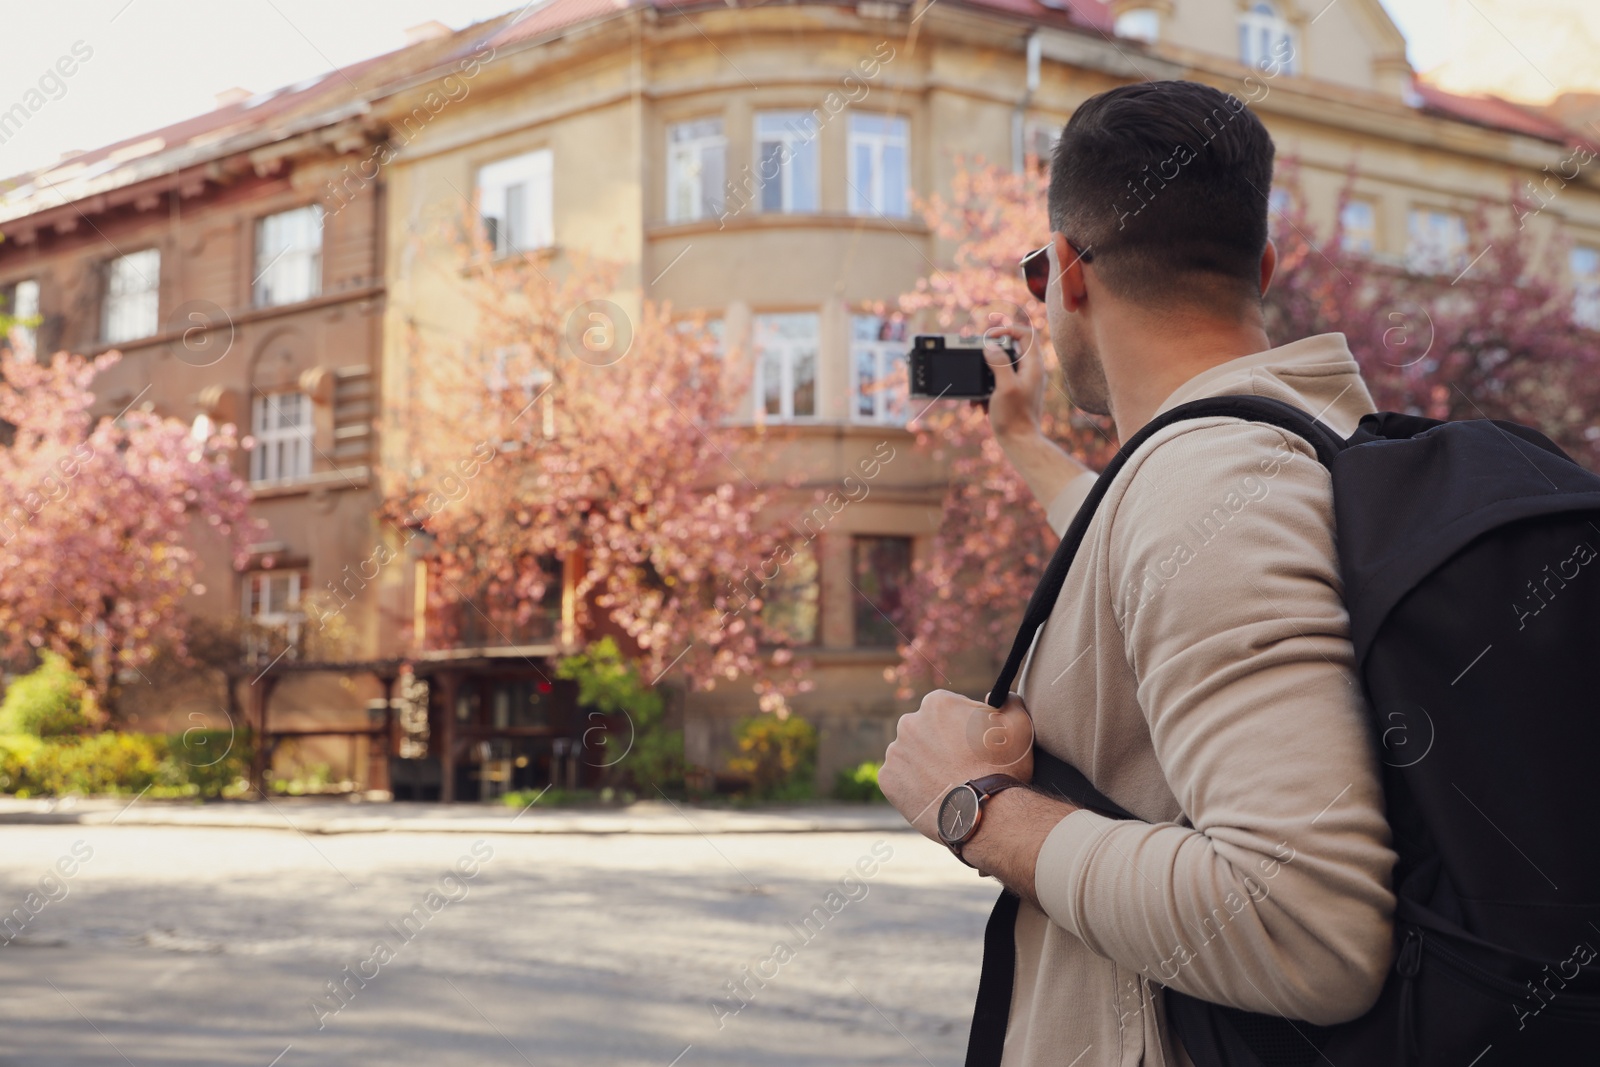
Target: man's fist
[(951, 739)]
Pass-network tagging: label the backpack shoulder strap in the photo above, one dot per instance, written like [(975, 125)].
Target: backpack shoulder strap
[(1251, 408)]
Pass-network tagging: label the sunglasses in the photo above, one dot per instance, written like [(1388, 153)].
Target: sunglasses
[(1036, 267)]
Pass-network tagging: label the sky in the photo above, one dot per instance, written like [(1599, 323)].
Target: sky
[(153, 62)]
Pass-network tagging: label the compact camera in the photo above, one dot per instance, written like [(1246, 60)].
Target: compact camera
[(947, 367)]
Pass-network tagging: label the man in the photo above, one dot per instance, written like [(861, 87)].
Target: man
[(1197, 666)]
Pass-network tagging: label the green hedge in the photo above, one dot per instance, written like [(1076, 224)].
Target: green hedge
[(859, 783), (49, 701), (777, 756), (203, 763)]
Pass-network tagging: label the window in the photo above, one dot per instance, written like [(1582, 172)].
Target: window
[(1279, 204), (708, 338), (789, 601), (281, 425), (272, 602), (22, 304), (1585, 265), (515, 197), (878, 351), (527, 395), (1265, 40), (487, 608), (878, 180), (786, 365), (289, 256), (1358, 221), (1437, 241), (786, 160), (696, 165), (1040, 142), (132, 299), (1140, 24), (882, 578)]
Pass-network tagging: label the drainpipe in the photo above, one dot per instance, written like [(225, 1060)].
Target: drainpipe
[(1019, 113)]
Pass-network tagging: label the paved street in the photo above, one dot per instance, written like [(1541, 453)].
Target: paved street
[(200, 945)]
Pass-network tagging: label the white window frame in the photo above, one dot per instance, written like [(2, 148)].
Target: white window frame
[(872, 193), (1436, 240), (131, 307), (890, 407), (282, 453), (288, 618), (786, 354), (24, 304), (1261, 27), (517, 195), (773, 127), (288, 256), (694, 183), (1584, 263), (1362, 241)]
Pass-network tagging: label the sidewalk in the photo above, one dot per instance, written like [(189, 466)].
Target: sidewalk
[(319, 815)]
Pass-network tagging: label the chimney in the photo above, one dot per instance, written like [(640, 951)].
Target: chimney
[(229, 97), (431, 30)]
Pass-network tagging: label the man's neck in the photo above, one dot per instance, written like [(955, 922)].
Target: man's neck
[(1147, 361)]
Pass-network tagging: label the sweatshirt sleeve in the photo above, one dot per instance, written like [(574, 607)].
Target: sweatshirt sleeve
[(1273, 895)]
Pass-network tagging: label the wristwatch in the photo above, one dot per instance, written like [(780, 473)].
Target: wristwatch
[(961, 810)]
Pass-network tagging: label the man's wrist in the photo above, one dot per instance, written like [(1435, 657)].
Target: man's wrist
[(1007, 842), (1020, 436)]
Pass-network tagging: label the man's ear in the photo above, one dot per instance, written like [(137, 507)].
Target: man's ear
[(1269, 264), (1069, 280)]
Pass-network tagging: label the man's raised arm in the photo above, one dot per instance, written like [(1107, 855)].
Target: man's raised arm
[(1058, 482)]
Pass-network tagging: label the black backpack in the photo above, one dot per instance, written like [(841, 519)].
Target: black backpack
[(1468, 554)]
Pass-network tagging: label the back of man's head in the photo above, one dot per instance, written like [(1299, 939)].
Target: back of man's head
[(1167, 183)]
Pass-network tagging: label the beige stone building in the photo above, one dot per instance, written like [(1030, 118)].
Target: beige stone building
[(757, 164)]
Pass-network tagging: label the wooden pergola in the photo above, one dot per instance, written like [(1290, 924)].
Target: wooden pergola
[(451, 674)]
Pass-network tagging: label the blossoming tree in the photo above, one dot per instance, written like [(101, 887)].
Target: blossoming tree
[(99, 518), (559, 428)]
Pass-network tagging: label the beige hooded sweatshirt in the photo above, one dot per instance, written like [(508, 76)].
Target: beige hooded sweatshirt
[(1198, 668)]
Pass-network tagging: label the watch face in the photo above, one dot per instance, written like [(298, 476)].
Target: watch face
[(958, 814)]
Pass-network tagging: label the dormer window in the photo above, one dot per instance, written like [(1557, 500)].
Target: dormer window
[(1266, 40), (1139, 24)]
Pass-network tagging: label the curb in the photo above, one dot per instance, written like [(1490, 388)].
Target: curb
[(648, 817)]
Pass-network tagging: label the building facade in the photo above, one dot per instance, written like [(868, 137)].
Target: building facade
[(759, 165)]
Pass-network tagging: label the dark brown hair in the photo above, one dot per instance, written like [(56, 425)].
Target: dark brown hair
[(1167, 182)]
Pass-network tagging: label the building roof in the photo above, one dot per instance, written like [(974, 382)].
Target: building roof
[(348, 92), (260, 119), (1491, 112)]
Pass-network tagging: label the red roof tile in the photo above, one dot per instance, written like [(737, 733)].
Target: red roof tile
[(1492, 112)]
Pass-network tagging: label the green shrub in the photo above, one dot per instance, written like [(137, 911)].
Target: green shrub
[(566, 798), (123, 763), (779, 756), (97, 763), (206, 763), (50, 701), (859, 783), (16, 752), (610, 684)]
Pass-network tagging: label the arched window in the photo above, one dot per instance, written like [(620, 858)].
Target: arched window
[(1266, 40)]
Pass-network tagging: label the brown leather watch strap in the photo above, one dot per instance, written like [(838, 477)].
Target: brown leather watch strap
[(985, 787), (990, 784)]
